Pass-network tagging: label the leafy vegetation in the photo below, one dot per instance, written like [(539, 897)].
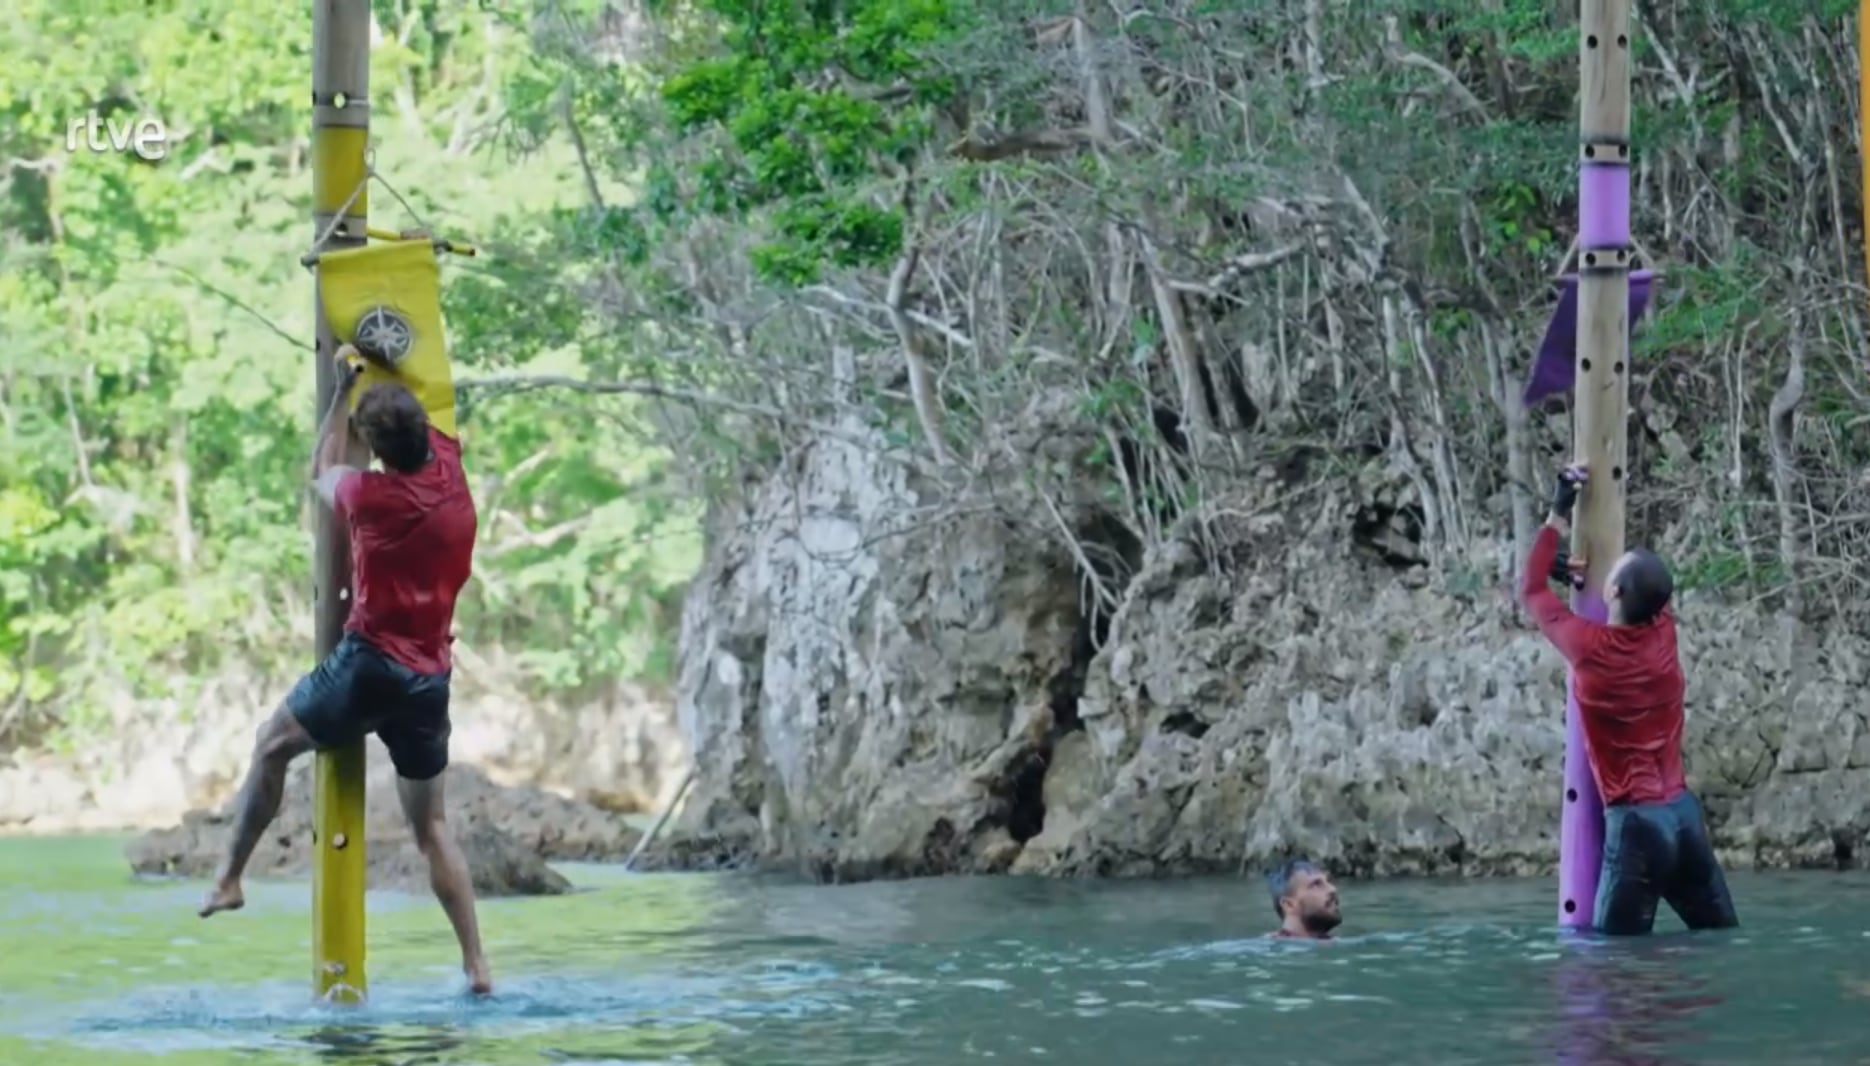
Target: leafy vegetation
[(155, 387), (1236, 237), (1205, 250)]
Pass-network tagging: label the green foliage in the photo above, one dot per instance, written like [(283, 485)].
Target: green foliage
[(1456, 123), (774, 144), (815, 149), (1516, 220), (154, 422), (155, 425)]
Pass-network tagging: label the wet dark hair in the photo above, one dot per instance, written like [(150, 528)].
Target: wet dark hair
[(395, 426), (1645, 587), (1280, 879)]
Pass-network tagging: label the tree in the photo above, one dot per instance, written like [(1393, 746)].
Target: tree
[(155, 390), (1231, 248)]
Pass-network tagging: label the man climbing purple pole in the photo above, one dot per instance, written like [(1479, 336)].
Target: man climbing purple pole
[(1627, 691)]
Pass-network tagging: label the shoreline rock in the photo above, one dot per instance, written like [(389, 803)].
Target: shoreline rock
[(703, 853), (508, 834), (619, 749), (886, 702)]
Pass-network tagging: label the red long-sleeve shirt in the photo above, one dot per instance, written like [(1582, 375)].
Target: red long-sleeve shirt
[(1628, 681)]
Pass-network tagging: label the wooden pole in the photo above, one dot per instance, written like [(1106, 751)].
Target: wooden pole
[(1599, 433), (668, 810), (340, 169)]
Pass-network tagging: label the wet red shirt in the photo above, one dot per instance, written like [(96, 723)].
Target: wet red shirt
[(1628, 681), (412, 548)]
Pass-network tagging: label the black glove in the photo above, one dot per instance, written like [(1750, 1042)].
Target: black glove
[(1565, 495), (1562, 573)]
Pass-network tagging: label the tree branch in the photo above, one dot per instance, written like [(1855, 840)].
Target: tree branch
[(1397, 51), (1781, 423), (921, 383), (1024, 142), (514, 385)]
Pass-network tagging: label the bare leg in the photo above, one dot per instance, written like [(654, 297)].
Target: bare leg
[(448, 873), (281, 740)]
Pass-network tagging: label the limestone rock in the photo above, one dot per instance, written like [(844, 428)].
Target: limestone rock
[(621, 751), (507, 833), (878, 697), (874, 696)]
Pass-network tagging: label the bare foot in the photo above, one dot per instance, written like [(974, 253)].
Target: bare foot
[(225, 896), (480, 978)]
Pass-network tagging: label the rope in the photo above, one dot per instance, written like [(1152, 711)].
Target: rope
[(370, 174), (413, 213), (337, 219)]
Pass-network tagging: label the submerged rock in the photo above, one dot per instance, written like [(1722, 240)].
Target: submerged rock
[(508, 835)]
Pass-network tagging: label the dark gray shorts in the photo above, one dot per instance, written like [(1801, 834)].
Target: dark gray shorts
[(358, 690), (1660, 851)]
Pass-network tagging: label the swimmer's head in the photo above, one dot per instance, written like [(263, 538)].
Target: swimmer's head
[(1304, 898), (1638, 588)]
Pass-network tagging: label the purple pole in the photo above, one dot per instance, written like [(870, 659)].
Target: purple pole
[(1622, 1009), (1599, 436), (1585, 1011), (1581, 825)]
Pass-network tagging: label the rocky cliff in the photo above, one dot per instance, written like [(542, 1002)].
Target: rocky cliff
[(873, 689), (1160, 509), (885, 696)]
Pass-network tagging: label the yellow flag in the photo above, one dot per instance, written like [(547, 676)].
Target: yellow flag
[(386, 299)]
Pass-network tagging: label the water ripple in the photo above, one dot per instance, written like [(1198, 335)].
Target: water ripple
[(741, 970)]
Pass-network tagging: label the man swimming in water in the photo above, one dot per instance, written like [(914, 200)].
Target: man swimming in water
[(412, 528), (1628, 681), (1305, 900)]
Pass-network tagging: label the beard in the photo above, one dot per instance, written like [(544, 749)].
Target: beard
[(1321, 921)]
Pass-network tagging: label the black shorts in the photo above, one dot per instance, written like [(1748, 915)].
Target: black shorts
[(1660, 851), (358, 690)]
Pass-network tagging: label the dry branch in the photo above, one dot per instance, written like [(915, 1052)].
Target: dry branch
[(1394, 48), (921, 382), (1781, 418), (1022, 318), (1026, 142), (516, 384)]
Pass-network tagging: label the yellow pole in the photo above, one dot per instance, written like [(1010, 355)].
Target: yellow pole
[(340, 143)]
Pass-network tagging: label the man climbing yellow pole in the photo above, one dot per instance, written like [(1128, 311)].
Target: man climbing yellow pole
[(340, 212), (393, 546), (410, 527)]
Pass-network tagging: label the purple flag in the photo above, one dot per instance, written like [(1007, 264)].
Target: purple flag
[(1555, 369)]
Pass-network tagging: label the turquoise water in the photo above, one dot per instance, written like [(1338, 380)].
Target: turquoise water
[(96, 968)]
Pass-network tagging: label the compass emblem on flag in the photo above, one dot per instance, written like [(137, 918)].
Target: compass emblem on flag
[(384, 335)]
